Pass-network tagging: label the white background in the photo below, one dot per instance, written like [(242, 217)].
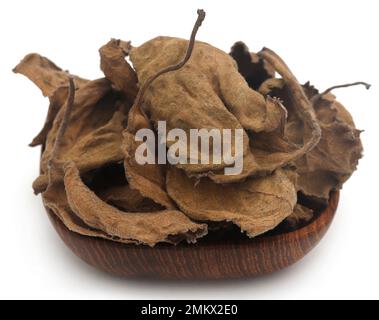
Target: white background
[(327, 42)]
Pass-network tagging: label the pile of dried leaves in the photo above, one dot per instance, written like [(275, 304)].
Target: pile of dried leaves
[(297, 141)]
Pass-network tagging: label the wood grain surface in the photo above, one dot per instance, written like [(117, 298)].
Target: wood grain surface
[(211, 258)]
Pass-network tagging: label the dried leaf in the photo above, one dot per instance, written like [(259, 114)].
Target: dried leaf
[(269, 151), (57, 100), (94, 135), (206, 93), (110, 184), (336, 156), (256, 205), (294, 128), (52, 81), (300, 216), (127, 199), (147, 228), (54, 199), (117, 69), (253, 68), (44, 73), (332, 161), (148, 179), (294, 139)]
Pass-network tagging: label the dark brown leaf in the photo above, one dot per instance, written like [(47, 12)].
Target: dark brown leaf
[(253, 68)]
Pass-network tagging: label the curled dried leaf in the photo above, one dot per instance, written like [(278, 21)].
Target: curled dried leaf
[(94, 135), (57, 100), (301, 215), (206, 93), (52, 81), (117, 69), (335, 157), (271, 150), (54, 199), (147, 228), (302, 105), (253, 68), (45, 73), (208, 83), (148, 179), (92, 181), (256, 205), (127, 199), (110, 184)]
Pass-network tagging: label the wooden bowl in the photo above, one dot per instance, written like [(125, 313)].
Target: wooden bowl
[(208, 259)]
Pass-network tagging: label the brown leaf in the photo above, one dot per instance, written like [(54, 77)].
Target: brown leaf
[(336, 156), (272, 150), (52, 81), (117, 69), (94, 135), (206, 93), (110, 184), (256, 205), (300, 216), (332, 161), (147, 228), (57, 100), (253, 68), (127, 199), (105, 181), (54, 199), (148, 179), (45, 74)]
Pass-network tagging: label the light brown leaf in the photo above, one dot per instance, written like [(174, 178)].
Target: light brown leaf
[(148, 179), (147, 228), (55, 200), (335, 157), (110, 184), (52, 81), (256, 205), (271, 150), (45, 73), (206, 93)]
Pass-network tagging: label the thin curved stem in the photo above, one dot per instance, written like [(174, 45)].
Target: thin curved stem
[(65, 120), (191, 44), (368, 86), (303, 105), (318, 96)]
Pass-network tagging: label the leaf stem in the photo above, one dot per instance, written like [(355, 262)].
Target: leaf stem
[(345, 86), (65, 119), (191, 44)]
